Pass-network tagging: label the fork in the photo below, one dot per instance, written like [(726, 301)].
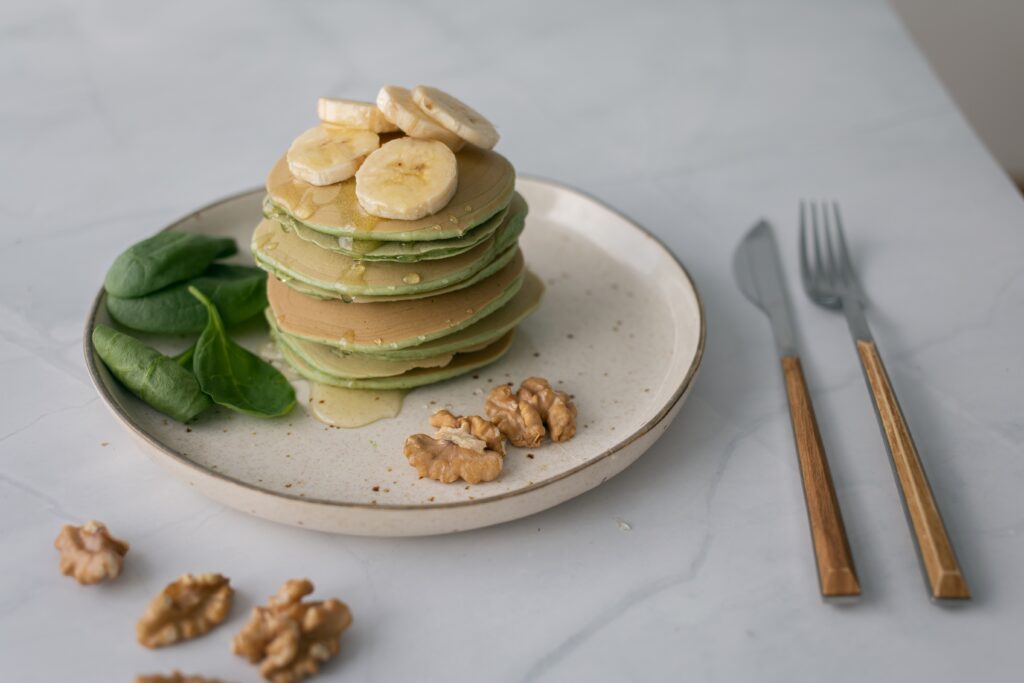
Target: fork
[(829, 279)]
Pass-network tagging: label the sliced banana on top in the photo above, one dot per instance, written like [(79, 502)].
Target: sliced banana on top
[(456, 116), (407, 179), (327, 154), (353, 114), (399, 108)]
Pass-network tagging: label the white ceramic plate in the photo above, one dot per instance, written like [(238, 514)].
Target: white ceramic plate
[(621, 327)]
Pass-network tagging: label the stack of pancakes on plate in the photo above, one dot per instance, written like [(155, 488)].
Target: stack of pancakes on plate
[(366, 302)]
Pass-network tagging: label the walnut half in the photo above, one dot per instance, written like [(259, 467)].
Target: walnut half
[(523, 416), (289, 638), (185, 609), (89, 553), (470, 448)]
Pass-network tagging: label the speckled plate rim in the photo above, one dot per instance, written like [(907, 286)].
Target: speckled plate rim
[(92, 365)]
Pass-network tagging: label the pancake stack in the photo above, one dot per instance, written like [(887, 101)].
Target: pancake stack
[(391, 235)]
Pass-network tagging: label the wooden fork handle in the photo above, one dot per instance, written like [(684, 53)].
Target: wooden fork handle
[(836, 573), (945, 578)]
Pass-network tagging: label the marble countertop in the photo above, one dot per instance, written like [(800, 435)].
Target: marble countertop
[(695, 119)]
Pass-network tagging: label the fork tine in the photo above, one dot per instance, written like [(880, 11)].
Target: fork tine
[(844, 252), (805, 266), (835, 276), (819, 273), (831, 272)]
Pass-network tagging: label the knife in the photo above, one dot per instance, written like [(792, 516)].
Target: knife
[(758, 272)]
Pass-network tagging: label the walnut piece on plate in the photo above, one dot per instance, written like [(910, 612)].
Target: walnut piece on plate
[(89, 553), (174, 677), (477, 426), (470, 448), (523, 416), (555, 407), (185, 609), (518, 421), (289, 638)]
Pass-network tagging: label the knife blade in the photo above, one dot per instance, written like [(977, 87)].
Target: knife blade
[(758, 272)]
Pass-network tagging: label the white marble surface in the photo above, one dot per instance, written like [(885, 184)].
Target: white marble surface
[(693, 117)]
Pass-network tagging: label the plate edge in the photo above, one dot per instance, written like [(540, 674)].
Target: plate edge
[(123, 417)]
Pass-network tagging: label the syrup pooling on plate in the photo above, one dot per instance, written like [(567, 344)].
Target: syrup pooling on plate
[(351, 408)]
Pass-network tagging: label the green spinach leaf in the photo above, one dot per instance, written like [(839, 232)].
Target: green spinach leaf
[(235, 377), (184, 359), (238, 292), (163, 259), (155, 378)]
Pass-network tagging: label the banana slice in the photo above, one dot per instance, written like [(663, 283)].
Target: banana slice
[(398, 107), (456, 116), (328, 154), (407, 179), (353, 114)]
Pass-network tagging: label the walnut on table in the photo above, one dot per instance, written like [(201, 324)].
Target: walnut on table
[(89, 553), (185, 609), (174, 677), (523, 416), (289, 638), (470, 448)]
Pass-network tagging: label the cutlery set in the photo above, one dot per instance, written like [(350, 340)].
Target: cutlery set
[(829, 280)]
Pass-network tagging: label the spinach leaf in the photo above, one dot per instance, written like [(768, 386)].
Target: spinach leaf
[(235, 377), (155, 378), (163, 259), (238, 292), (184, 359)]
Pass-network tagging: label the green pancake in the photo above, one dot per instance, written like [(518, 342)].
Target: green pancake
[(486, 184), (347, 365), (382, 326), (471, 338), (461, 364), (491, 268), (373, 250), (327, 274)]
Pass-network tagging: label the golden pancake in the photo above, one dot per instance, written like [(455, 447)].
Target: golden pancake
[(461, 364), (491, 267), (391, 325), (475, 336), (472, 338), (486, 183), (424, 250), (329, 273), (338, 363)]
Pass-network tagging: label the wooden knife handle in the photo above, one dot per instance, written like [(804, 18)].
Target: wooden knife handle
[(836, 572), (940, 564)]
